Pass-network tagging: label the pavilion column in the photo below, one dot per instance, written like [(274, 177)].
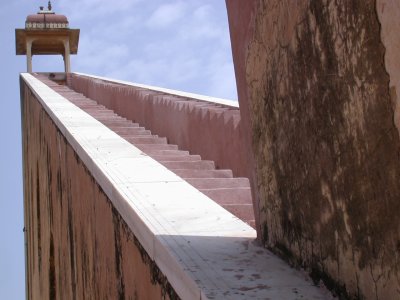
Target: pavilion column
[(29, 56), (67, 62)]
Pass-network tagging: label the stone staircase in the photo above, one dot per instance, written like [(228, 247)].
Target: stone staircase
[(233, 194)]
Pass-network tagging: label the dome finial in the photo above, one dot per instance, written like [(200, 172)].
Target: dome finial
[(49, 6)]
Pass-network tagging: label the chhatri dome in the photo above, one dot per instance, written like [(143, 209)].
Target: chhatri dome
[(46, 19), (47, 33)]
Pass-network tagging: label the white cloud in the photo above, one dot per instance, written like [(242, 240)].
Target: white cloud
[(176, 44), (203, 13), (88, 10), (98, 55), (167, 14)]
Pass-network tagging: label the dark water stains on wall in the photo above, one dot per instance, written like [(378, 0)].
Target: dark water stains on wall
[(325, 143), (52, 271)]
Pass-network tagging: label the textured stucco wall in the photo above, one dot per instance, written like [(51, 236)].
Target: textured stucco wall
[(78, 247), (321, 92), (207, 129)]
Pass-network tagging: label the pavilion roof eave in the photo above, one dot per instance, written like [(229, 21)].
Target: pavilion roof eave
[(22, 34)]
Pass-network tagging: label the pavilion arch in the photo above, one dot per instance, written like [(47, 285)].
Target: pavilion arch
[(49, 46)]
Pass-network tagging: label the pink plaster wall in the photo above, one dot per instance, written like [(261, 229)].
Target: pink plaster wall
[(77, 244), (210, 130), (318, 86)]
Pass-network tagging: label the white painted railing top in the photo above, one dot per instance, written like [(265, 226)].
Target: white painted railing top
[(229, 103)]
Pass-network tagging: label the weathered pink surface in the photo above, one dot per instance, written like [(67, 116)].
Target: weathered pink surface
[(210, 130), (318, 86)]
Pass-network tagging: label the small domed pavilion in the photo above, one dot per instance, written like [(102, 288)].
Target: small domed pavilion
[(47, 33)]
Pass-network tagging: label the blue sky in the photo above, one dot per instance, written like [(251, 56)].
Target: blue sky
[(177, 44)]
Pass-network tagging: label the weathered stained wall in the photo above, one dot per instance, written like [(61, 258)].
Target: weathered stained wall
[(196, 126), (320, 95), (78, 247)]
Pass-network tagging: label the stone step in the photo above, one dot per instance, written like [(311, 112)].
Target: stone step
[(73, 97), (146, 147), (134, 134), (106, 118), (215, 183), (106, 115), (155, 152), (83, 103), (78, 98), (204, 173), (189, 165), (128, 130), (178, 158), (96, 110), (147, 140), (99, 111), (244, 212), (90, 106), (229, 195), (65, 92), (109, 123), (89, 111), (124, 127)]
